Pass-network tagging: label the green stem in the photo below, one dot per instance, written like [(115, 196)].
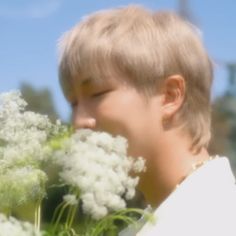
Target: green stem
[(68, 217), (103, 224), (56, 211), (37, 216), (73, 212), (59, 217)]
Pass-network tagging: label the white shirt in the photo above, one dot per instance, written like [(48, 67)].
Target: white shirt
[(203, 205)]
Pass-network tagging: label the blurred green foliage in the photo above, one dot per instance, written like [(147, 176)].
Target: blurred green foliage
[(40, 101), (224, 120)]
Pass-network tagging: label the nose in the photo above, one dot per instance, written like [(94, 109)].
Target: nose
[(81, 119)]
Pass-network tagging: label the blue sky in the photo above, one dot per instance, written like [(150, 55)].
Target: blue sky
[(30, 30)]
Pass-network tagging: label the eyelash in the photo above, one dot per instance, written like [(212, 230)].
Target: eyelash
[(100, 93), (74, 104)]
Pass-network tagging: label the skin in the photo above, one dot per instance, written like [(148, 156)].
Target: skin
[(149, 124)]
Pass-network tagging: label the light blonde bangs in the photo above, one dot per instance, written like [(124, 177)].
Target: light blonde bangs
[(113, 44), (81, 59)]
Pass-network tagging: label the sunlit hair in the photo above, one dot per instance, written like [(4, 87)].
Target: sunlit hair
[(144, 48)]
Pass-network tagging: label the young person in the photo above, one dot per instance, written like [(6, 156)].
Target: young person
[(147, 76)]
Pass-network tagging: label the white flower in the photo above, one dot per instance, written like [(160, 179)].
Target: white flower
[(25, 131), (91, 207), (98, 166), (23, 150), (70, 199), (12, 227), (20, 185), (139, 165)]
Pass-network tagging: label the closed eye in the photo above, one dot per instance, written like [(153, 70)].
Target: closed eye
[(98, 94)]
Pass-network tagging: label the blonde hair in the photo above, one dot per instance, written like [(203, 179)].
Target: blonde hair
[(145, 48)]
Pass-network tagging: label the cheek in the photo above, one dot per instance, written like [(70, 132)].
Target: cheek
[(109, 113), (123, 111), (111, 107), (110, 117), (125, 116)]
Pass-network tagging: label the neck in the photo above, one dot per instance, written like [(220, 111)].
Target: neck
[(167, 168)]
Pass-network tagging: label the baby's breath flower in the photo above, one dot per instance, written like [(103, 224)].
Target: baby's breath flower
[(139, 165), (23, 150), (23, 131), (97, 165), (70, 199), (12, 227), (20, 185)]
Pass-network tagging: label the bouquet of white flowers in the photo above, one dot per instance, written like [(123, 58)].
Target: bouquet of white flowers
[(94, 167), (13, 227)]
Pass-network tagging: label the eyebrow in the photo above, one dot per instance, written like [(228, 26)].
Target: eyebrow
[(90, 81), (86, 81)]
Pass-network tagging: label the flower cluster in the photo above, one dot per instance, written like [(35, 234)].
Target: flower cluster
[(22, 133), (13, 227), (94, 165), (23, 149), (97, 168)]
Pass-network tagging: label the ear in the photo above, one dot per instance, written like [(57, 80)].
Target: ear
[(173, 92)]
